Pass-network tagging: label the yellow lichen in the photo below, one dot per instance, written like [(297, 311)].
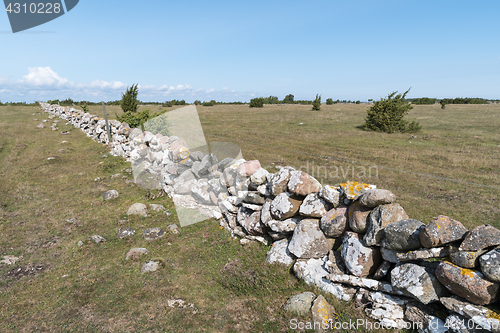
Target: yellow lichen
[(468, 272)]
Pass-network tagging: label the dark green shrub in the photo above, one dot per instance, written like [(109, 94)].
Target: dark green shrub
[(129, 102), (257, 102), (197, 102), (443, 104), (208, 104), (85, 108), (288, 99), (316, 104), (157, 123), (387, 115), (358, 102), (134, 120), (329, 101), (213, 102)]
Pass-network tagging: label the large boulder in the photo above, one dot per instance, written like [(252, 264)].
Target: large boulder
[(284, 206), (442, 230), (381, 217), (466, 283), (360, 260), (334, 223), (308, 241), (403, 235), (301, 183)]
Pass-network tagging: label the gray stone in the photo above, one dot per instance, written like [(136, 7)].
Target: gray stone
[(259, 177), (330, 194), (417, 282), (490, 265), (279, 180), (125, 232), (138, 209), (308, 241), (111, 194), (403, 235), (40, 125), (442, 230), (284, 206), (466, 259), (381, 217), (151, 266), (184, 183), (196, 155), (313, 206), (382, 270), (97, 239), (301, 183), (334, 223), (265, 215), (479, 316), (156, 207), (360, 260), (279, 254), (335, 265), (250, 221), (173, 229), (397, 256), (480, 237), (376, 197), (153, 234), (254, 198), (200, 192), (285, 226), (300, 304), (136, 252), (387, 309)]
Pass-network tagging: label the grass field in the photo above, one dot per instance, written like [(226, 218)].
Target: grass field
[(93, 288)]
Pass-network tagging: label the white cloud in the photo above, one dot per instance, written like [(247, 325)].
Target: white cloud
[(43, 83), (43, 76)]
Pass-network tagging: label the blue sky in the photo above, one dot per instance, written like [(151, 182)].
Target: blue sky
[(235, 50)]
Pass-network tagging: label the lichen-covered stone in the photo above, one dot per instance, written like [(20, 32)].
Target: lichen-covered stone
[(284, 206), (466, 283), (360, 260), (248, 168), (417, 282), (376, 197), (353, 190), (479, 316), (335, 264), (279, 254), (334, 223), (308, 241), (125, 232), (313, 206), (389, 310), (250, 221), (301, 183), (285, 226), (490, 265), (403, 235), (259, 177), (358, 217), (466, 259), (480, 237), (138, 209), (322, 313), (382, 270), (111, 194), (279, 180), (442, 230), (397, 256), (265, 213), (379, 218), (330, 194), (300, 304)]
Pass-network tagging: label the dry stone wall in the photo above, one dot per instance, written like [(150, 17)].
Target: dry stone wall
[(353, 240)]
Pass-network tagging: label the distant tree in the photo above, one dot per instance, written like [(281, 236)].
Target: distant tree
[(271, 100), (358, 102), (208, 104), (213, 102), (257, 102), (129, 102), (316, 104), (197, 102), (288, 99), (387, 115), (443, 104), (329, 101)]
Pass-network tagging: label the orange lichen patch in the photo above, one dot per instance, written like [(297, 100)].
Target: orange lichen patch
[(184, 161), (493, 315), (468, 272), (334, 216), (353, 188)]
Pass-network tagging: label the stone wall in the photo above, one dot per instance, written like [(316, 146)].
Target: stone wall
[(352, 240)]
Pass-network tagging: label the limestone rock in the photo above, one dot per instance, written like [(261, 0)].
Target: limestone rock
[(334, 223), (151, 266), (153, 234), (201, 192), (179, 150), (323, 313), (397, 256), (417, 282), (467, 283), (259, 177), (479, 316), (308, 241), (40, 125), (125, 232), (279, 180), (300, 304), (284, 206), (376, 197), (136, 252), (156, 207), (358, 217), (279, 254), (442, 230), (265, 213), (173, 229), (403, 235), (359, 259), (379, 218), (389, 310), (255, 198), (248, 168), (313, 206), (250, 221), (97, 239), (353, 190), (330, 194), (335, 265), (111, 194), (382, 270), (138, 209), (301, 183), (466, 259), (490, 265), (284, 226), (480, 237)]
